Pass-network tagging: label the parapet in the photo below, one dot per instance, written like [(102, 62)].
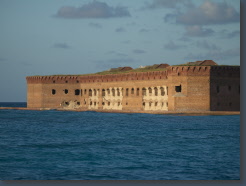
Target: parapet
[(222, 71), (213, 71), (52, 79), (132, 76)]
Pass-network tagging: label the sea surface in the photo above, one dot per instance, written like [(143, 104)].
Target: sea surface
[(58, 145)]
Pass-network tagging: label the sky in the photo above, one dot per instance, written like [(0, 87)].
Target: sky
[(86, 36)]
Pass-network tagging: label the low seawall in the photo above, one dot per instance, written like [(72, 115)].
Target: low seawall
[(132, 111)]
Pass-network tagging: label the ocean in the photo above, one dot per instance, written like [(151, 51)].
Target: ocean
[(64, 145)]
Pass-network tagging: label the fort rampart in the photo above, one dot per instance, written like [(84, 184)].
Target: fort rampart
[(178, 88)]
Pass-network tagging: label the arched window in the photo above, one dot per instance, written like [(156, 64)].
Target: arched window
[(127, 90), (66, 91), (113, 92), (103, 92), (144, 91), (132, 91), (150, 90), (156, 91), (90, 92), (162, 91), (137, 91)]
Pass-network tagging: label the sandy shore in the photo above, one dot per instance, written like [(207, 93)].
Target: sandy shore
[(192, 113)]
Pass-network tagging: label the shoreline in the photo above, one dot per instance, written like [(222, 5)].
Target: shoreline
[(180, 113)]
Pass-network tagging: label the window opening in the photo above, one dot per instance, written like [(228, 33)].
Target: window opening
[(162, 91), (66, 91), (178, 88), (53, 91), (103, 92), (77, 92), (132, 91), (144, 91), (150, 90), (156, 91), (90, 92)]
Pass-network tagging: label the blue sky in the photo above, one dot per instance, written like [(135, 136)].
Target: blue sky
[(86, 36)]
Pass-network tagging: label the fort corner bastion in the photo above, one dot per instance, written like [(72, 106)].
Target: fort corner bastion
[(194, 86)]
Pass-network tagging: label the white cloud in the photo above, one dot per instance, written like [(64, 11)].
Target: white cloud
[(169, 4), (209, 13), (94, 9)]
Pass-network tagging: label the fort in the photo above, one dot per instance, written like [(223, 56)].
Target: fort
[(195, 86)]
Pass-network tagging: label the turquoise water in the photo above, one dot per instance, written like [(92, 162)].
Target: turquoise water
[(57, 145)]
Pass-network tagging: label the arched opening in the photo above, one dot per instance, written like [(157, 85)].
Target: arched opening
[(137, 91), (150, 91), (127, 90), (103, 92), (144, 91), (90, 92), (156, 91), (132, 91), (113, 92), (162, 91)]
